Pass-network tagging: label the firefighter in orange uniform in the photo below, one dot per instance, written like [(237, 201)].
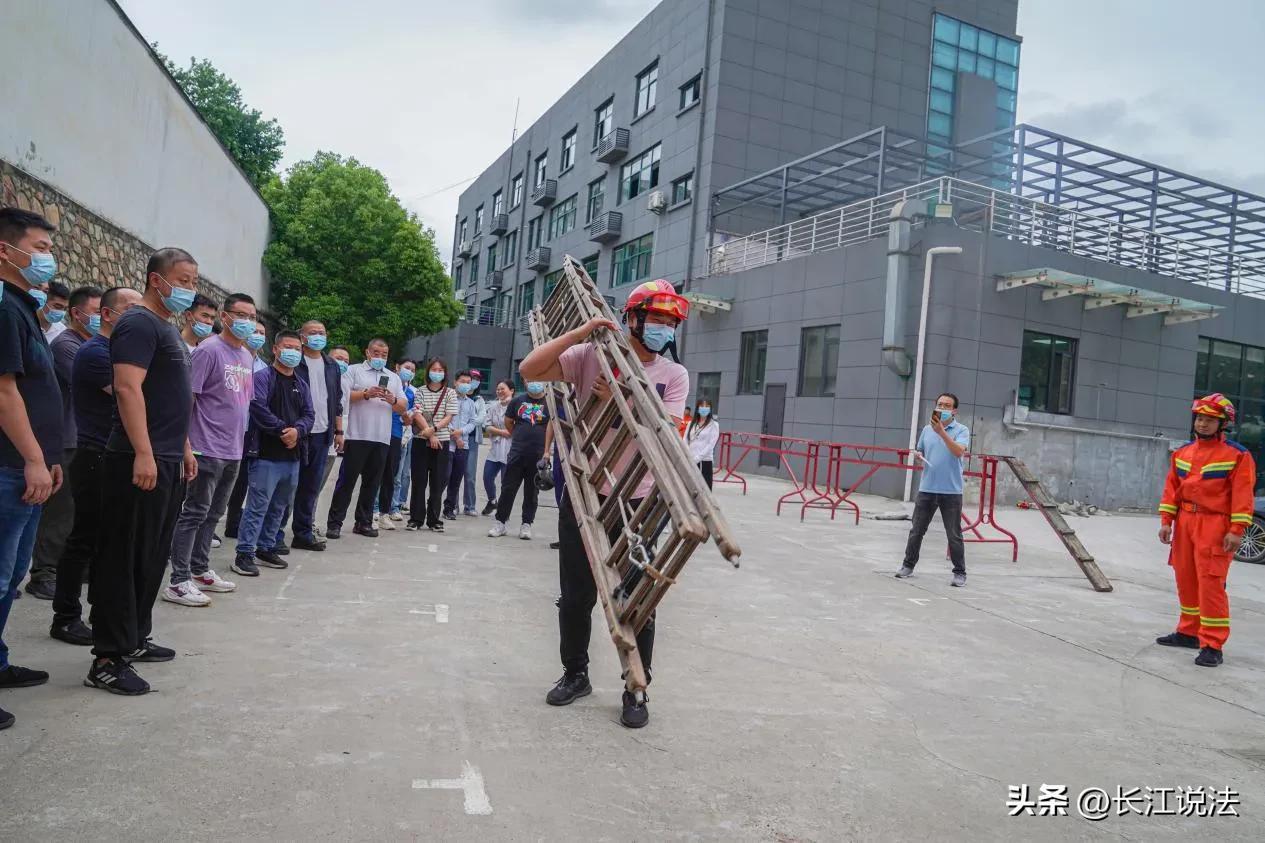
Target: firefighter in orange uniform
[(1207, 505)]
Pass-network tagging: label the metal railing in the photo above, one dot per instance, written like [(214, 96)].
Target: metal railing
[(982, 208), (481, 315)]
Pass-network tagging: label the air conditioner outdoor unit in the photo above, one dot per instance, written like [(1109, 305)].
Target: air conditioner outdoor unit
[(658, 202)]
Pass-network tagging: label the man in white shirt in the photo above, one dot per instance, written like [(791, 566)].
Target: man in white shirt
[(375, 392)]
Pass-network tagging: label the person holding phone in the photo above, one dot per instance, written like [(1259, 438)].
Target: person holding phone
[(941, 447), (374, 394), (434, 405)]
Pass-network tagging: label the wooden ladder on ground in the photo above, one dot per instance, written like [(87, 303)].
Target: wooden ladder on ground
[(1050, 509)]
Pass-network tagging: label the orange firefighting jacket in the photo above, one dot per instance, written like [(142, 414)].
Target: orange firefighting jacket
[(1215, 476)]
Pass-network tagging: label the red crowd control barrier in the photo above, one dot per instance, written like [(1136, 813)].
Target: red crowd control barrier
[(826, 489)]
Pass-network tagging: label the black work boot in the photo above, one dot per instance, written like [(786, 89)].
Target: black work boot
[(1178, 639), (1208, 657), (634, 714), (569, 688)]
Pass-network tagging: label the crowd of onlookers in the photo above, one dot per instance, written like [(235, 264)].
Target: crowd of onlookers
[(125, 440)]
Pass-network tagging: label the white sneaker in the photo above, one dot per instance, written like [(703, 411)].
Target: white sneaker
[(385, 523), (524, 532), (395, 516), (210, 581), (185, 594), (498, 530)]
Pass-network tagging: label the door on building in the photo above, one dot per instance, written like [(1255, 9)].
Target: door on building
[(774, 416)]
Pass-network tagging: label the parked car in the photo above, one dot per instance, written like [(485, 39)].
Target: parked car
[(1253, 547)]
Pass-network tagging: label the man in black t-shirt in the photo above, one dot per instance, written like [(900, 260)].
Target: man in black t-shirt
[(146, 465), (30, 415), (527, 419)]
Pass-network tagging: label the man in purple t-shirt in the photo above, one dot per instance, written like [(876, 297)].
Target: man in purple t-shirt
[(222, 389)]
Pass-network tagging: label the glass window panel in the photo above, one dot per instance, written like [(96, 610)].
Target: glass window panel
[(966, 61), (1201, 365), (1253, 373), (1008, 51), (1227, 367), (967, 37), (984, 67), (940, 124), (751, 358), (944, 55), (1005, 119), (934, 151), (942, 79), (987, 44), (1007, 77), (1005, 100), (946, 29), (941, 101), (709, 390)]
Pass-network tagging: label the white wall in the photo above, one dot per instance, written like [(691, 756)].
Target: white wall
[(87, 110)]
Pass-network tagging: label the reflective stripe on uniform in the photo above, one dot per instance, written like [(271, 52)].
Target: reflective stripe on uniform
[(1214, 622), (1170, 508), (1241, 518), (1218, 466), (1190, 610)]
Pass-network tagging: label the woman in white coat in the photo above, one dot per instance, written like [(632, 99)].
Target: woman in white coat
[(701, 437)]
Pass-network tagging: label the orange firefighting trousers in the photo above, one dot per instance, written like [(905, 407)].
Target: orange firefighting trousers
[(1200, 566)]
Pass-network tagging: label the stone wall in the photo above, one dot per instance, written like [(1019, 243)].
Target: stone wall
[(89, 249)]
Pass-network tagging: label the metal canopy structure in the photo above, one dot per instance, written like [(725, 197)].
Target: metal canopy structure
[(1027, 162), (1098, 294)]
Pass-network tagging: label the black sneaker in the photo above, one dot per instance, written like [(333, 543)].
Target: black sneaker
[(437, 527), (117, 677), (148, 651), (42, 589), (413, 526), (281, 550), (555, 545), (300, 543), (635, 714), (21, 677), (450, 516), (490, 508), (371, 532), (6, 719), (333, 533), (569, 688), (75, 632), (1208, 657), (244, 564), (1178, 639), (271, 559)]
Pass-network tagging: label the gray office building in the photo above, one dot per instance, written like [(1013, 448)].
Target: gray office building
[(793, 165)]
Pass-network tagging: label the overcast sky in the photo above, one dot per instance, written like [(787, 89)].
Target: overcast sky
[(425, 90)]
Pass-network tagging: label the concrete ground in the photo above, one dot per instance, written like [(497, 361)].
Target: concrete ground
[(392, 689)]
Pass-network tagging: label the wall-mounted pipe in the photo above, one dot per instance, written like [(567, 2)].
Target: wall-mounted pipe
[(895, 303)]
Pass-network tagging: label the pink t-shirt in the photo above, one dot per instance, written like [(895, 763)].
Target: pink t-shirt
[(671, 380)]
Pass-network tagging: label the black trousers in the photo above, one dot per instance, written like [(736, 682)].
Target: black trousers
[(706, 468), (56, 522), (236, 501), (456, 473), (429, 467), (362, 461), (81, 545), (925, 507), (134, 546), (312, 476), (519, 471), (386, 487), (578, 595)]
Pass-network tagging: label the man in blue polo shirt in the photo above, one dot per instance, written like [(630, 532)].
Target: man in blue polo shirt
[(943, 443)]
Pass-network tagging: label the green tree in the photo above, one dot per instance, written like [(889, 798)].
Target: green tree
[(255, 143), (345, 251)]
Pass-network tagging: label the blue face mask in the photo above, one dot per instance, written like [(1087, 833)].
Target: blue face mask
[(290, 357), (54, 316), (255, 342), (536, 388), (377, 363), (406, 375), (945, 415), (342, 367), (463, 388), (316, 342), (41, 297), (657, 337), (704, 412), (41, 270), (179, 299), (435, 377), (243, 329), (94, 324), (202, 330)]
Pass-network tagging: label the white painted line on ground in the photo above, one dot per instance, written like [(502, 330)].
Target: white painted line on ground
[(281, 592), (433, 548), (921, 601), (440, 612), (470, 783)]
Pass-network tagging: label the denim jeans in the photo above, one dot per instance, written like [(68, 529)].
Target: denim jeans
[(270, 488), (204, 506), (19, 523), (403, 476), (491, 470), (469, 498)]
